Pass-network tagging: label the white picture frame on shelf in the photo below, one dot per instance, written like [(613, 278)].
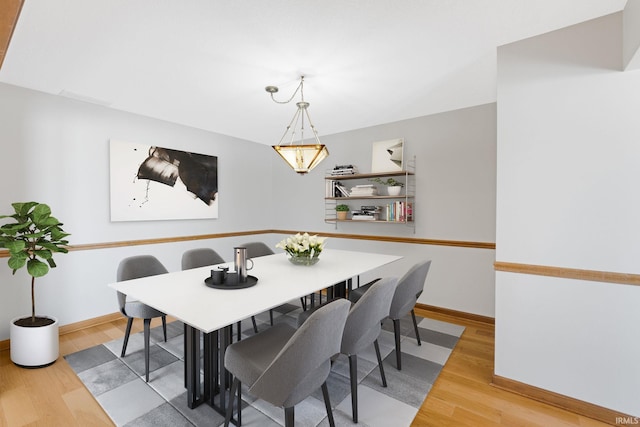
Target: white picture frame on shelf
[(387, 156)]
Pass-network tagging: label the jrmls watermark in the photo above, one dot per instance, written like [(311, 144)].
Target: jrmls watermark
[(627, 421)]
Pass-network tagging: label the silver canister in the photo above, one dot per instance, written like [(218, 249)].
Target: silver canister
[(240, 262)]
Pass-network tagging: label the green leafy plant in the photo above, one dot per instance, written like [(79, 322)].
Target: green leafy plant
[(389, 182), (31, 241), (342, 208)]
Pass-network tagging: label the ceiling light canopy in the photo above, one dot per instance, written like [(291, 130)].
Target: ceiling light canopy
[(300, 156)]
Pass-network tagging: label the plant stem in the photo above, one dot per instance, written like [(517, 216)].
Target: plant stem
[(33, 300)]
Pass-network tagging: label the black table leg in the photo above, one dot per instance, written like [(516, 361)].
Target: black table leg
[(192, 366)]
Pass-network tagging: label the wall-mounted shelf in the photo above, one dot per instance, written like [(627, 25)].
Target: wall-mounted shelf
[(395, 209)]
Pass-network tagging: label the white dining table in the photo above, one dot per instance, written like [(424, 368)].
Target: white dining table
[(185, 296)]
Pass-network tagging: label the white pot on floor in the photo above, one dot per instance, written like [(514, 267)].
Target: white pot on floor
[(34, 346)]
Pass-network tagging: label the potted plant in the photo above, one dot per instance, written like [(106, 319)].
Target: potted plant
[(341, 211), (31, 240), (394, 188)]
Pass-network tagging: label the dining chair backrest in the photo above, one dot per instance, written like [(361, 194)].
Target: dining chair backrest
[(304, 362), (257, 249), (200, 257), (136, 267), (409, 289), (363, 324)]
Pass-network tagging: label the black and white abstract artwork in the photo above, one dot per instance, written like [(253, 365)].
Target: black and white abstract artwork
[(387, 156), (156, 183)]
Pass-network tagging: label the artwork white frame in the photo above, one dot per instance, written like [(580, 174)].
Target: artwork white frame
[(387, 156), (148, 183)]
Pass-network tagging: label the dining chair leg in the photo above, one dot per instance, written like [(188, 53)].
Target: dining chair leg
[(289, 417), (303, 303), (164, 327), (396, 332), (126, 336), (234, 386), (271, 316), (380, 365), (415, 326), (327, 404), (147, 333), (255, 325), (353, 376)]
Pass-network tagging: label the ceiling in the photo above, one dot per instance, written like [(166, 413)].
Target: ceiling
[(205, 63)]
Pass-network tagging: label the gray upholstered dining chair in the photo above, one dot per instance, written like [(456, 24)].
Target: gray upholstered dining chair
[(284, 365), (258, 249), (136, 267), (406, 296), (255, 250), (362, 329), (202, 257)]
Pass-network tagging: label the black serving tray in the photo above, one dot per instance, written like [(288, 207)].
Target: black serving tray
[(231, 282)]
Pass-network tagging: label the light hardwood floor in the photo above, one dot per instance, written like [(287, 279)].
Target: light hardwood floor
[(462, 395)]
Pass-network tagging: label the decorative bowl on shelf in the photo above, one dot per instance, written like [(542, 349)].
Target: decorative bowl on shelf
[(394, 190)]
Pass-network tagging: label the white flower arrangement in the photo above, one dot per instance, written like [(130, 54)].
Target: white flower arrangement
[(302, 245)]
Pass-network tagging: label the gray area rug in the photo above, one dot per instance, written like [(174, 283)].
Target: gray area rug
[(118, 383)]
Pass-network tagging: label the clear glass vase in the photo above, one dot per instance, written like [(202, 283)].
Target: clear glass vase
[(303, 259)]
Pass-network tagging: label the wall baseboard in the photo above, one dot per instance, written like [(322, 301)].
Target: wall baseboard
[(74, 327), (579, 407), (84, 324), (456, 313)]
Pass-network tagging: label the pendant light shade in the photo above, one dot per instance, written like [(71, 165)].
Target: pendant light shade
[(300, 156)]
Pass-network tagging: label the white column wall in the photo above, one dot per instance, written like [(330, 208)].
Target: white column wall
[(567, 196)]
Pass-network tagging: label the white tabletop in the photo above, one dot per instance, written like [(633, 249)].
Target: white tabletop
[(185, 296)]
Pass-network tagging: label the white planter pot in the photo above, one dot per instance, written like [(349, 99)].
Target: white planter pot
[(394, 190), (34, 347)]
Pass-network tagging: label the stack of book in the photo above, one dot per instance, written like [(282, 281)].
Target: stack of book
[(344, 170), (370, 213), (364, 190), (398, 211)]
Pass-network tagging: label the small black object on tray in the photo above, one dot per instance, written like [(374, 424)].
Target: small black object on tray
[(231, 282)]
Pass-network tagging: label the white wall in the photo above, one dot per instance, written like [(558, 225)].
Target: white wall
[(56, 151), (567, 196), (456, 182)]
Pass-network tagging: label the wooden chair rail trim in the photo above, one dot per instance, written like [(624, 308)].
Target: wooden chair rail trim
[(569, 273), (393, 239), (579, 407)]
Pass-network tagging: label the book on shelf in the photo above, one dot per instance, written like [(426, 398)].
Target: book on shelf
[(342, 191), (364, 190), (340, 170), (361, 216), (335, 189), (399, 211)]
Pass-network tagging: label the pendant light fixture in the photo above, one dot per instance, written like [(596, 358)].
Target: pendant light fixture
[(300, 156)]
